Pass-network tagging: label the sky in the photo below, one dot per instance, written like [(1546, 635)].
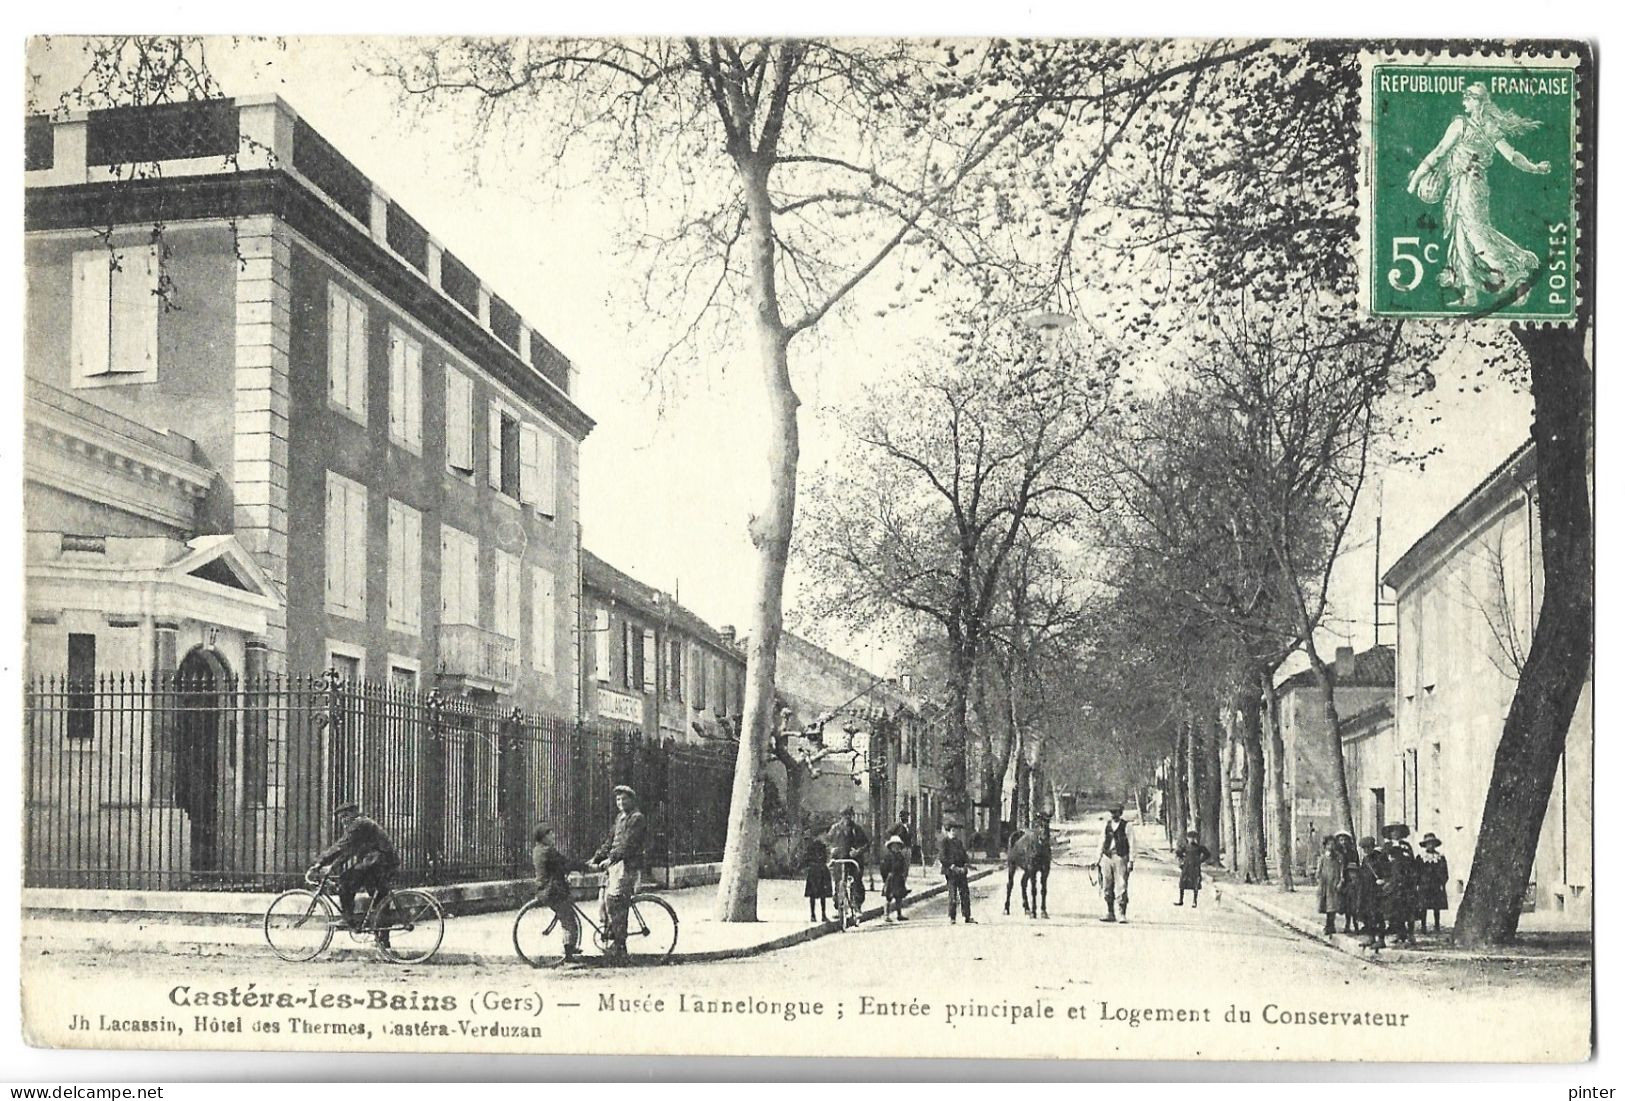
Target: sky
[(670, 470)]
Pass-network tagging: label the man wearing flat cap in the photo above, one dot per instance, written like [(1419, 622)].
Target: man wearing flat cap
[(621, 857), (366, 853)]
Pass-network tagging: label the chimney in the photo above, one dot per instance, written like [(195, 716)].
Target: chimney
[(727, 632), (1344, 654)]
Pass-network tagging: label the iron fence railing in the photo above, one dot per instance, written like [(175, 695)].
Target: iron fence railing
[(201, 783)]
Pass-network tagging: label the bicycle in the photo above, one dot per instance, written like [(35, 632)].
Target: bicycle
[(846, 895), (406, 925), (651, 930)]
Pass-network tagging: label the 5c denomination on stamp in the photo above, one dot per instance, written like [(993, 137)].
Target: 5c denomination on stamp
[(1468, 186)]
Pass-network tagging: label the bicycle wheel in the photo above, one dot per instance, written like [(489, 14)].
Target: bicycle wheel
[(408, 926), (651, 927), (538, 935), (299, 925)]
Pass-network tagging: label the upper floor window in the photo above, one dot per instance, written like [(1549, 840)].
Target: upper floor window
[(116, 301), (405, 391), (459, 422), (346, 547), (405, 568), (502, 442), (505, 598), (459, 576), (543, 619), (347, 352)]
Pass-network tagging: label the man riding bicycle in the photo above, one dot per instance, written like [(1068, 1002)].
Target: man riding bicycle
[(621, 856), (367, 855), (848, 841)]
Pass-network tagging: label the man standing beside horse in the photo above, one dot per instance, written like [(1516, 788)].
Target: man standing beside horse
[(1116, 862)]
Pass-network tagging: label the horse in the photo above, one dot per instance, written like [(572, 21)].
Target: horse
[(1029, 851)]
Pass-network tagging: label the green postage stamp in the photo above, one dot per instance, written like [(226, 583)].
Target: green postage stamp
[(1468, 186)]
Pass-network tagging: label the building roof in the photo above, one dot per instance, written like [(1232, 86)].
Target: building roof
[(254, 155), (1498, 486), (1373, 668), (1365, 723), (600, 577)]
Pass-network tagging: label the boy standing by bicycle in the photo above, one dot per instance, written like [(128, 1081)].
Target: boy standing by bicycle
[(553, 870), (621, 856)]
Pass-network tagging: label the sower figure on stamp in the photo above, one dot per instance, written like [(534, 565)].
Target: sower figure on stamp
[(367, 855), (621, 856), (553, 870), (1116, 862), (956, 870), (1191, 854), (1433, 881)]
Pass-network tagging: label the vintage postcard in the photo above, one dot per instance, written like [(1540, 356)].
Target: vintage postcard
[(1001, 548)]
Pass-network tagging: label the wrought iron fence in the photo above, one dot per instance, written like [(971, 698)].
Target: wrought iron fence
[(210, 783)]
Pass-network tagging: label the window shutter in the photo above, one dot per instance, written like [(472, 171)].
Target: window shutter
[(394, 610), (92, 301), (413, 362), (470, 586), (493, 446), (600, 644), (338, 344), (541, 619), (355, 573), (448, 576), (412, 573), (548, 471), (397, 384), (459, 420), (357, 359), (629, 666), (649, 657), (698, 665), (134, 312), (335, 534), (530, 470)]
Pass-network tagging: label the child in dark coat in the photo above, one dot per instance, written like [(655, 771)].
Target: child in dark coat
[(1329, 882), (1348, 895), (894, 872), (1191, 854), (814, 860), (1432, 881), (1375, 882)]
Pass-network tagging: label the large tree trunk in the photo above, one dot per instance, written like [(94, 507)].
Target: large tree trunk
[(1193, 776), (1214, 795), (1181, 815), (956, 741), (770, 532), (1343, 807), (1255, 868), (1560, 655), (1281, 816), (1230, 833)]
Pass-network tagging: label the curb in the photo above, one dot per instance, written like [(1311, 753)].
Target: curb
[(347, 953), (1339, 942)]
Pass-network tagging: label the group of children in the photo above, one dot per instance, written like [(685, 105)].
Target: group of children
[(1382, 890), (814, 858)]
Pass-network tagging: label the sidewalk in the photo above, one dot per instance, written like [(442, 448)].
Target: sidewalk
[(1541, 940), (486, 938)]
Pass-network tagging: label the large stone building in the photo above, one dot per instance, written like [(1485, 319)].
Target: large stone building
[(274, 426), (1359, 681), (650, 663), (1468, 594)]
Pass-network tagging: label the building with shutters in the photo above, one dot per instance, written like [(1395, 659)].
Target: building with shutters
[(649, 663), (288, 432)]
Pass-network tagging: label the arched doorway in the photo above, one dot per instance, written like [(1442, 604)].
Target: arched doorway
[(202, 784)]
